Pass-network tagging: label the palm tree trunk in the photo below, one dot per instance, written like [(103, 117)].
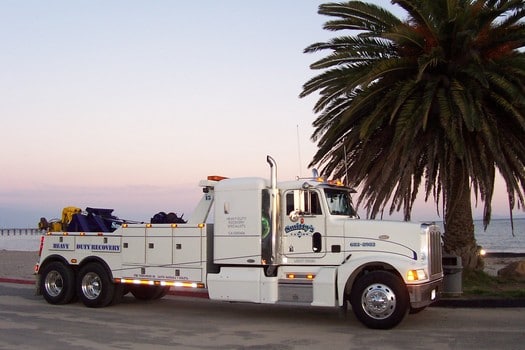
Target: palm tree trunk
[(459, 236)]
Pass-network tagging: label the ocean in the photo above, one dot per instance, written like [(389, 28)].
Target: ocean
[(497, 238)]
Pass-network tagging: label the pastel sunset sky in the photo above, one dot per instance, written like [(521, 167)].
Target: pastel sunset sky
[(127, 104)]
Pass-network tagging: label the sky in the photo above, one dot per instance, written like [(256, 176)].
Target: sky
[(128, 104)]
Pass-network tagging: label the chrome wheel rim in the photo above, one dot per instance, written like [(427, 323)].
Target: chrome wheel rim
[(91, 285), (378, 301), (54, 283)]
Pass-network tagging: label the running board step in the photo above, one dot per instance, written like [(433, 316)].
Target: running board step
[(295, 293)]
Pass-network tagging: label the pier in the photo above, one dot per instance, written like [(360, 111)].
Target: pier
[(16, 232)]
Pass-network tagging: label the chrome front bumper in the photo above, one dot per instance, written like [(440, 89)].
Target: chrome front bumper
[(422, 295)]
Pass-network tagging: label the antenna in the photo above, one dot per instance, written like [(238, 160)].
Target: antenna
[(346, 163), (299, 151)]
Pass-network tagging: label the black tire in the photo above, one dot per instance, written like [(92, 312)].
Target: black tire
[(94, 286), (57, 283), (162, 293), (118, 294), (416, 310), (379, 300), (144, 292)]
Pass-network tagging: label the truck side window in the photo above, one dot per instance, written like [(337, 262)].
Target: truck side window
[(339, 202), (289, 203), (307, 202), (313, 203)]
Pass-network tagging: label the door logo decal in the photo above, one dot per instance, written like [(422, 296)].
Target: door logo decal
[(299, 230)]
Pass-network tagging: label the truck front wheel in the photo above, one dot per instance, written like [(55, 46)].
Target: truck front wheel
[(94, 286), (379, 300), (57, 283)]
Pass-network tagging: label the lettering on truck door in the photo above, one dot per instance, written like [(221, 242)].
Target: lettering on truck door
[(304, 236)]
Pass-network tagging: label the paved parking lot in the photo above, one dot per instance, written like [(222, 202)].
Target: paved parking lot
[(28, 322)]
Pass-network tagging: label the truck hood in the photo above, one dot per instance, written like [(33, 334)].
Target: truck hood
[(400, 238)]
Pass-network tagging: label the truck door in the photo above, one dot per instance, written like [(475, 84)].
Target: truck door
[(304, 236)]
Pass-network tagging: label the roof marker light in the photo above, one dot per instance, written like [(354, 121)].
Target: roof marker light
[(216, 178), (336, 182)]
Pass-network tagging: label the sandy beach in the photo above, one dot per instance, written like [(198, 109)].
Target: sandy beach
[(20, 264), (17, 264)]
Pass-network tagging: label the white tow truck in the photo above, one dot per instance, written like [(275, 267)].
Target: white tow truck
[(296, 242)]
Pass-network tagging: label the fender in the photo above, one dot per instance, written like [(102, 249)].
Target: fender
[(51, 258), (94, 258), (355, 265)]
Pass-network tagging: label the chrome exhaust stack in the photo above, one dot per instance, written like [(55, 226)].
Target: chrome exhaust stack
[(274, 200)]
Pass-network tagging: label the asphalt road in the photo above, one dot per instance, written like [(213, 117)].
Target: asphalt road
[(28, 322)]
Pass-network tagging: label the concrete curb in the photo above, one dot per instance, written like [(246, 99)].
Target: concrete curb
[(16, 280), (479, 303)]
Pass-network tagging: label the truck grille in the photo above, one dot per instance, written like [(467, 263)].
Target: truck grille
[(435, 250)]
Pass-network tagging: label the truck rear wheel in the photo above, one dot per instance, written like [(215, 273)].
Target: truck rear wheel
[(94, 286), (57, 283), (143, 292), (379, 300), (118, 294)]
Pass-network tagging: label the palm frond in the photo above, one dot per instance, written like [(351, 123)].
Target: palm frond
[(416, 103)]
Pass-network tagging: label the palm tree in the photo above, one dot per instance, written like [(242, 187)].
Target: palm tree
[(435, 101)]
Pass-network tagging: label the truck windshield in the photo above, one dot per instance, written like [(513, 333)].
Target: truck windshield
[(339, 202)]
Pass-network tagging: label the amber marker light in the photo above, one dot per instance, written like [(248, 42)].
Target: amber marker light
[(173, 225), (124, 225), (336, 182), (411, 276), (74, 261), (290, 276), (416, 275), (188, 284), (200, 225), (216, 178)]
